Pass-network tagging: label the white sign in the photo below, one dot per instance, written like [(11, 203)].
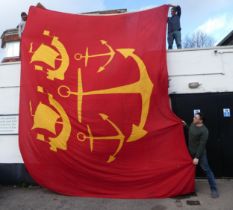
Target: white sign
[(226, 112), (195, 111), (9, 124)]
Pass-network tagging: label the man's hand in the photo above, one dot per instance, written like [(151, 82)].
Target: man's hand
[(184, 123), (170, 5), (195, 161)]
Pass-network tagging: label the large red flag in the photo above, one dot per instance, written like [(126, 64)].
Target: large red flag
[(94, 109)]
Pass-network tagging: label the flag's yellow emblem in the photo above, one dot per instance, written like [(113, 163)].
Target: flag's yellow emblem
[(47, 116)]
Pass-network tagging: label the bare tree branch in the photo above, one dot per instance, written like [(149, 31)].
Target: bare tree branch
[(198, 40)]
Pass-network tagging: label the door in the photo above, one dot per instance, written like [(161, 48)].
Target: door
[(225, 106), (217, 108)]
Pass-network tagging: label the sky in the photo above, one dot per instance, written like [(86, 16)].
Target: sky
[(213, 17)]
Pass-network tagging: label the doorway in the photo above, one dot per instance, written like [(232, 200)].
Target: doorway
[(218, 110)]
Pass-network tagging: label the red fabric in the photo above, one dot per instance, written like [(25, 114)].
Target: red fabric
[(80, 144)]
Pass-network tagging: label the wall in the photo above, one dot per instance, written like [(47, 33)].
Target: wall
[(9, 106), (212, 68)]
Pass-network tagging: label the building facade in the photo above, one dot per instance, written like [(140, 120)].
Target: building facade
[(199, 80)]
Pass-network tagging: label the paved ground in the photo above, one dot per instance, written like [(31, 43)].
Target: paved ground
[(35, 197)]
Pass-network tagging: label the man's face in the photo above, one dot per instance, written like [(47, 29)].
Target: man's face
[(196, 119), (24, 17), (173, 12)]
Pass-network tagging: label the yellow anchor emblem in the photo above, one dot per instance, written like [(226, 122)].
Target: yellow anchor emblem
[(86, 57), (142, 86), (120, 137)]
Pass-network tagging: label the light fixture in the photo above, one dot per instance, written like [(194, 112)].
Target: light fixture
[(193, 85)]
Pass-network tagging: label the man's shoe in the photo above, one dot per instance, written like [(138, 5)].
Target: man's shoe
[(214, 194)]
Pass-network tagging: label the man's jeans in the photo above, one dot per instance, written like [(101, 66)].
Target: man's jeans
[(176, 35), (210, 176)]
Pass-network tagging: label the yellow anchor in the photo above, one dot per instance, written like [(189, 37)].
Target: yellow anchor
[(86, 57), (120, 137), (49, 55), (143, 86)]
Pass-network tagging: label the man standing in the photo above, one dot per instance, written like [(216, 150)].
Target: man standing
[(174, 29), (198, 136), (22, 23)]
